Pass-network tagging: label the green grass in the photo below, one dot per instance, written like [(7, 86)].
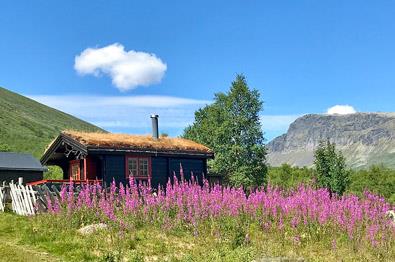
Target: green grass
[(12, 248), (28, 126), (54, 238)]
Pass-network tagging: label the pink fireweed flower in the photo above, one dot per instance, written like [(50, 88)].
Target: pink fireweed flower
[(334, 244), (186, 203)]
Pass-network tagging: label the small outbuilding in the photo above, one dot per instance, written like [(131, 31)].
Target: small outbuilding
[(15, 165), (106, 156)]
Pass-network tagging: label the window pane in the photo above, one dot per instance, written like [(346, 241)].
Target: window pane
[(143, 167), (132, 166)]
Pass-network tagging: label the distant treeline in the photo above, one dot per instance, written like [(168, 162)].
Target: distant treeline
[(376, 179)]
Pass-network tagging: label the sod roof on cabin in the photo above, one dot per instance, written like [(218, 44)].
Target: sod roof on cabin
[(110, 140)]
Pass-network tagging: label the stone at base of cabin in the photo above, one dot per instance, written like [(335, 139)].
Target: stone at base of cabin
[(391, 215), (87, 230)]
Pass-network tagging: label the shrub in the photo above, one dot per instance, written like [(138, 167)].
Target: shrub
[(331, 169)]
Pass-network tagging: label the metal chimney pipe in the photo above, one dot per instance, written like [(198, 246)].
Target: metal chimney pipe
[(155, 129)]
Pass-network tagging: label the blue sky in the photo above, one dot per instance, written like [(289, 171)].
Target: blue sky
[(303, 56)]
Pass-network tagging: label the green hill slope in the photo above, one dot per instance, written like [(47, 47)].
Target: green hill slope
[(28, 126)]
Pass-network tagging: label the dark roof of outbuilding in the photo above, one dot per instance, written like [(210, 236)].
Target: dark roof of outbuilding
[(19, 161)]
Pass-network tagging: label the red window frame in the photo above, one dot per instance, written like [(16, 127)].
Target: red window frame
[(72, 164), (138, 157)]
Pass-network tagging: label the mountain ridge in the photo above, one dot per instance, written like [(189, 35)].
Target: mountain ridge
[(364, 138)]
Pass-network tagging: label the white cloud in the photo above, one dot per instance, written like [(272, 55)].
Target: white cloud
[(127, 114), (341, 110), (127, 69)]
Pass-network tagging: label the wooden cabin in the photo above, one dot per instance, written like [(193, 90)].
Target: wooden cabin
[(16, 165), (108, 157)]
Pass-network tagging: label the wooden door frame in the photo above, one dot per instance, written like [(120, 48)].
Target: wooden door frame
[(71, 164)]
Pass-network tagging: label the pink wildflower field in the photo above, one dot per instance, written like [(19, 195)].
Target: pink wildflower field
[(301, 215)]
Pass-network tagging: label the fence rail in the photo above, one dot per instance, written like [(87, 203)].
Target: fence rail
[(27, 200), (64, 181), (23, 199), (30, 199)]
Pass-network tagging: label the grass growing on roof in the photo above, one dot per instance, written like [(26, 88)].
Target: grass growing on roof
[(135, 141)]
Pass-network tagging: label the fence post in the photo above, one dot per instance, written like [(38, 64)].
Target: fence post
[(2, 197)]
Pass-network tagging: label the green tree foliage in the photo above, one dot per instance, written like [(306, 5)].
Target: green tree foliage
[(4, 147), (331, 169), (377, 179), (288, 177), (231, 127), (54, 172), (164, 134)]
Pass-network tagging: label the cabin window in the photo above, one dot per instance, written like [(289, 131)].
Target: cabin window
[(143, 167), (132, 165), (138, 167)]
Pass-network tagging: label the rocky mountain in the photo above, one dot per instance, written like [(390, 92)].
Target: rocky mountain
[(364, 138)]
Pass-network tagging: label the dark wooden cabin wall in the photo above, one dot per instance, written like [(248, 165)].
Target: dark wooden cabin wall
[(159, 171), (114, 169), (189, 166), (28, 176), (65, 168), (93, 168)]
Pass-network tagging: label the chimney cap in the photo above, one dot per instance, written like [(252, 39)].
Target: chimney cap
[(154, 116)]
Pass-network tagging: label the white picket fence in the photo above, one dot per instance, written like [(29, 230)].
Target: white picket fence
[(23, 199), (2, 196)]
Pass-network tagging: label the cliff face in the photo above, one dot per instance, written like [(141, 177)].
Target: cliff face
[(364, 138)]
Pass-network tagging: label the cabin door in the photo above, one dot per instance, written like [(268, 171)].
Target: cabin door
[(75, 170)]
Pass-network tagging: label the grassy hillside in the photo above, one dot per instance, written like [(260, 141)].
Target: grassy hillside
[(28, 126)]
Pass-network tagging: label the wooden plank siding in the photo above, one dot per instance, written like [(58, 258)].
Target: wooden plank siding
[(92, 168), (161, 168), (114, 169), (159, 171), (13, 175), (189, 166)]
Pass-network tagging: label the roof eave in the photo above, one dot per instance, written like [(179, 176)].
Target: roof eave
[(24, 169), (58, 141), (151, 151)]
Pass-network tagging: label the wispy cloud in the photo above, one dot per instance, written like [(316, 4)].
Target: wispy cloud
[(127, 69), (127, 113), (149, 101), (131, 113)]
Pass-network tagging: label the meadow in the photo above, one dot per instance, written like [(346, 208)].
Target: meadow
[(377, 179), (187, 222)]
